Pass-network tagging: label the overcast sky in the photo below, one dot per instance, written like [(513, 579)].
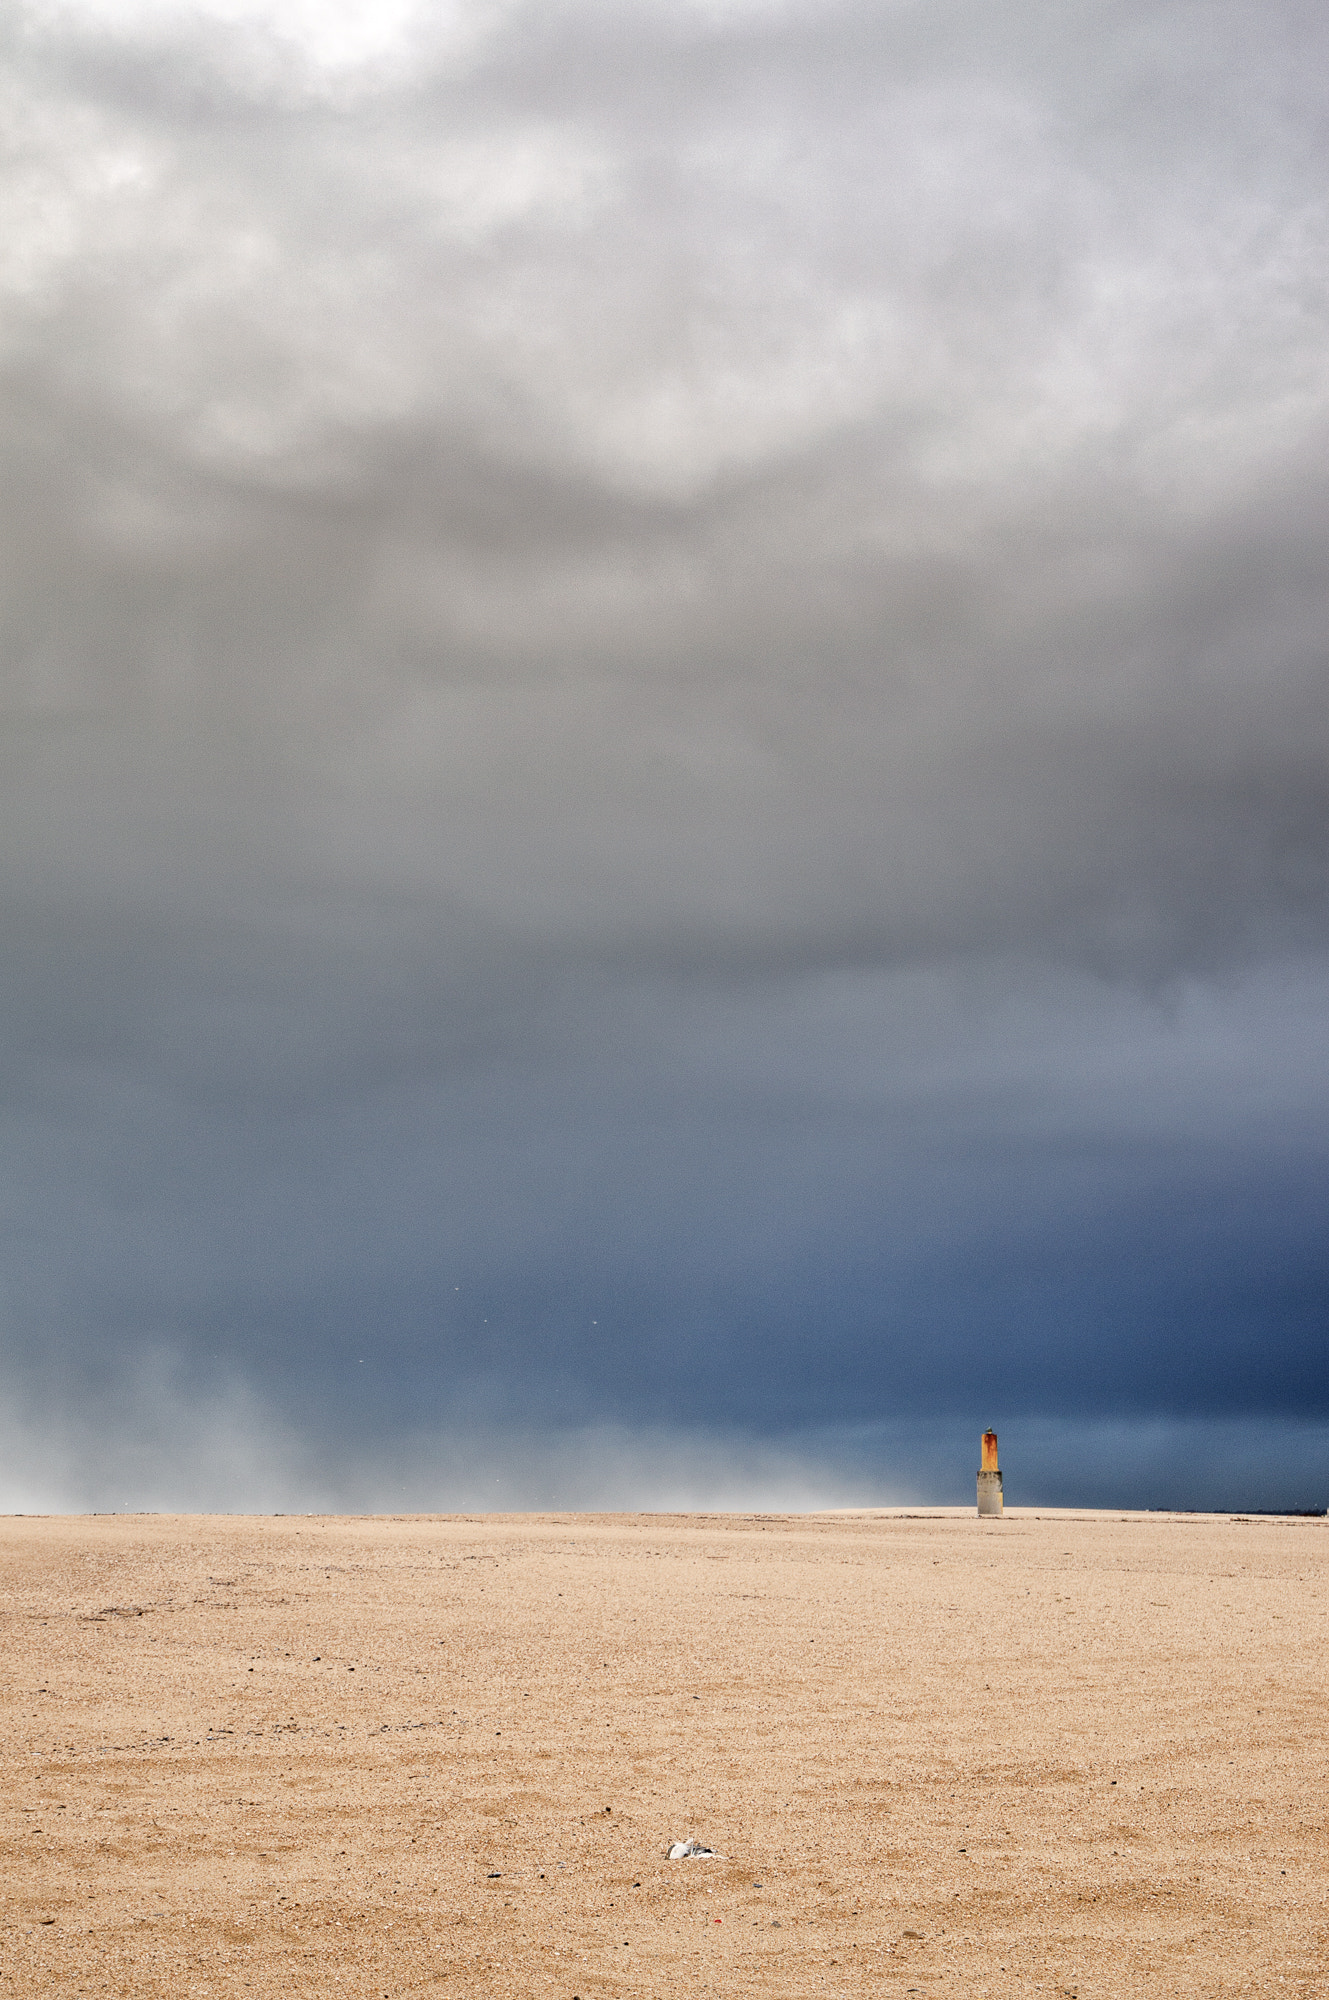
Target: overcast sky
[(664, 820)]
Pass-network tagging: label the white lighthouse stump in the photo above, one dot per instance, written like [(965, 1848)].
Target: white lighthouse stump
[(989, 1478)]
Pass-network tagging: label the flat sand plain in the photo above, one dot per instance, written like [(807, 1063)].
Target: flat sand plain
[(1059, 1754)]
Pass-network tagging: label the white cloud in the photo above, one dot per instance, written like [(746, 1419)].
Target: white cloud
[(317, 49)]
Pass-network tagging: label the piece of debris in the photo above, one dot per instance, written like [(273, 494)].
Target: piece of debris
[(693, 1850)]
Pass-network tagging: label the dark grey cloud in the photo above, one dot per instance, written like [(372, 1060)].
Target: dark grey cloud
[(664, 738)]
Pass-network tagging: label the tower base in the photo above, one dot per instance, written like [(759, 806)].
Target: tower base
[(989, 1493)]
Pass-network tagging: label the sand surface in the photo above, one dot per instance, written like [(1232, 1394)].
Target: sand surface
[(1060, 1754)]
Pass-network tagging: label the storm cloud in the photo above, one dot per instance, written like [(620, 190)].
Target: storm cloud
[(665, 808)]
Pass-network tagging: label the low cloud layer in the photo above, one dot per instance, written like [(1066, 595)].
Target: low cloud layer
[(663, 728)]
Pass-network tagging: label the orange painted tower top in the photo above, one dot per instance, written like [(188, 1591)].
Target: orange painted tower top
[(989, 1451)]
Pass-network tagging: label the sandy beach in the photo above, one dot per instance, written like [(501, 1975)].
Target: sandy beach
[(1061, 1753)]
